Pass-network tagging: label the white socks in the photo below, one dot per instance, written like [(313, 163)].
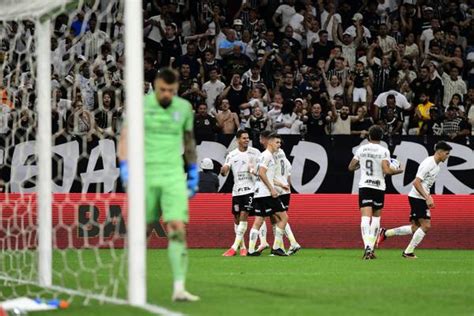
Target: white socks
[(290, 236), (373, 231), (253, 239), (365, 230), (278, 242), (178, 286), (399, 231), (239, 235), (263, 234), (415, 240)]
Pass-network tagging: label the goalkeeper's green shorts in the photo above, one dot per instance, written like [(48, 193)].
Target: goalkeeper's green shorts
[(167, 199)]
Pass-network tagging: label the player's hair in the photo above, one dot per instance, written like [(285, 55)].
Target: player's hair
[(274, 135), (240, 132), (168, 75), (265, 134), (375, 133), (442, 146)]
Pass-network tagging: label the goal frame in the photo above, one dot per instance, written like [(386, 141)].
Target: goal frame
[(134, 82)]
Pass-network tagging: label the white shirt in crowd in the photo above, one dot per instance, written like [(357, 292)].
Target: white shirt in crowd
[(427, 172), (426, 37), (266, 161), (213, 90), (340, 126), (336, 18), (286, 13), (370, 157), (400, 100), (452, 87), (155, 34), (289, 118), (353, 31), (240, 162)]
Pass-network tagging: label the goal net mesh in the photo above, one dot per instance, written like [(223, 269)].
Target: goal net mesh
[(87, 47)]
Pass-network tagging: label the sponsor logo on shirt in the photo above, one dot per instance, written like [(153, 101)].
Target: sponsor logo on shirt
[(373, 182)]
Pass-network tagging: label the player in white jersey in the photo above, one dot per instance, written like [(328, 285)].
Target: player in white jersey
[(282, 185), (374, 161), (267, 201), (420, 201), (241, 160)]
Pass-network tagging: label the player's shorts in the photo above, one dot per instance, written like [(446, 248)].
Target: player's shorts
[(418, 209), (266, 206), (243, 203), (371, 198), (167, 199), (285, 199), (359, 95)]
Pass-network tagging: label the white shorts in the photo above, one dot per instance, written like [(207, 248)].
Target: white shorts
[(359, 95)]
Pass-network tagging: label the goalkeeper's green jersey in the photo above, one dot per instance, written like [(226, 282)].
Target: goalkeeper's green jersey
[(164, 129)]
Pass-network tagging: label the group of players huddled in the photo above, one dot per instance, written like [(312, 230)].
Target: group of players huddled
[(262, 189)]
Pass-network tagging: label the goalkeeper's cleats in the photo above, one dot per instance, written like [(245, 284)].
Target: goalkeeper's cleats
[(184, 296)]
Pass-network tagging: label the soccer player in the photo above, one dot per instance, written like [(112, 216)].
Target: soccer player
[(282, 185), (168, 128), (420, 201), (374, 161), (242, 161), (266, 199)]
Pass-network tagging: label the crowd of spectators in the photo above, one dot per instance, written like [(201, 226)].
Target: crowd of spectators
[(311, 68)]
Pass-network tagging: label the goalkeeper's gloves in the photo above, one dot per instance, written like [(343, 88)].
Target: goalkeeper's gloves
[(124, 171), (193, 179)]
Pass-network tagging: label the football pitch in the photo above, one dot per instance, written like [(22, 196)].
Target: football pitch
[(313, 282)]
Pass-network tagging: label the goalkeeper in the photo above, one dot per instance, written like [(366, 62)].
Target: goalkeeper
[(168, 128)]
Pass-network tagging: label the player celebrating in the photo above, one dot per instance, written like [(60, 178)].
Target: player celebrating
[(266, 199), (420, 201), (282, 185), (242, 161), (168, 128), (373, 159)]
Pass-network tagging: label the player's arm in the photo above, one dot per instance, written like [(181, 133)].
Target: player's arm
[(281, 185), (354, 164), (419, 188), (389, 171), (190, 155), (226, 167), (262, 173)]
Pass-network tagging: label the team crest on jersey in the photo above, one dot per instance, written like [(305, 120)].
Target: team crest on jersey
[(176, 116)]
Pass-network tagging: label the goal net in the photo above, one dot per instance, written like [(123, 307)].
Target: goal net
[(64, 229)]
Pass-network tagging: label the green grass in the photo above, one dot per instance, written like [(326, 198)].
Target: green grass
[(313, 282)]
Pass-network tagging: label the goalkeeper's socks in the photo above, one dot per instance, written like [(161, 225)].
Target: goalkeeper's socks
[(263, 234), (374, 230), (178, 256), (278, 242), (289, 235), (399, 231), (241, 229), (253, 239), (178, 286), (415, 240), (365, 230)]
